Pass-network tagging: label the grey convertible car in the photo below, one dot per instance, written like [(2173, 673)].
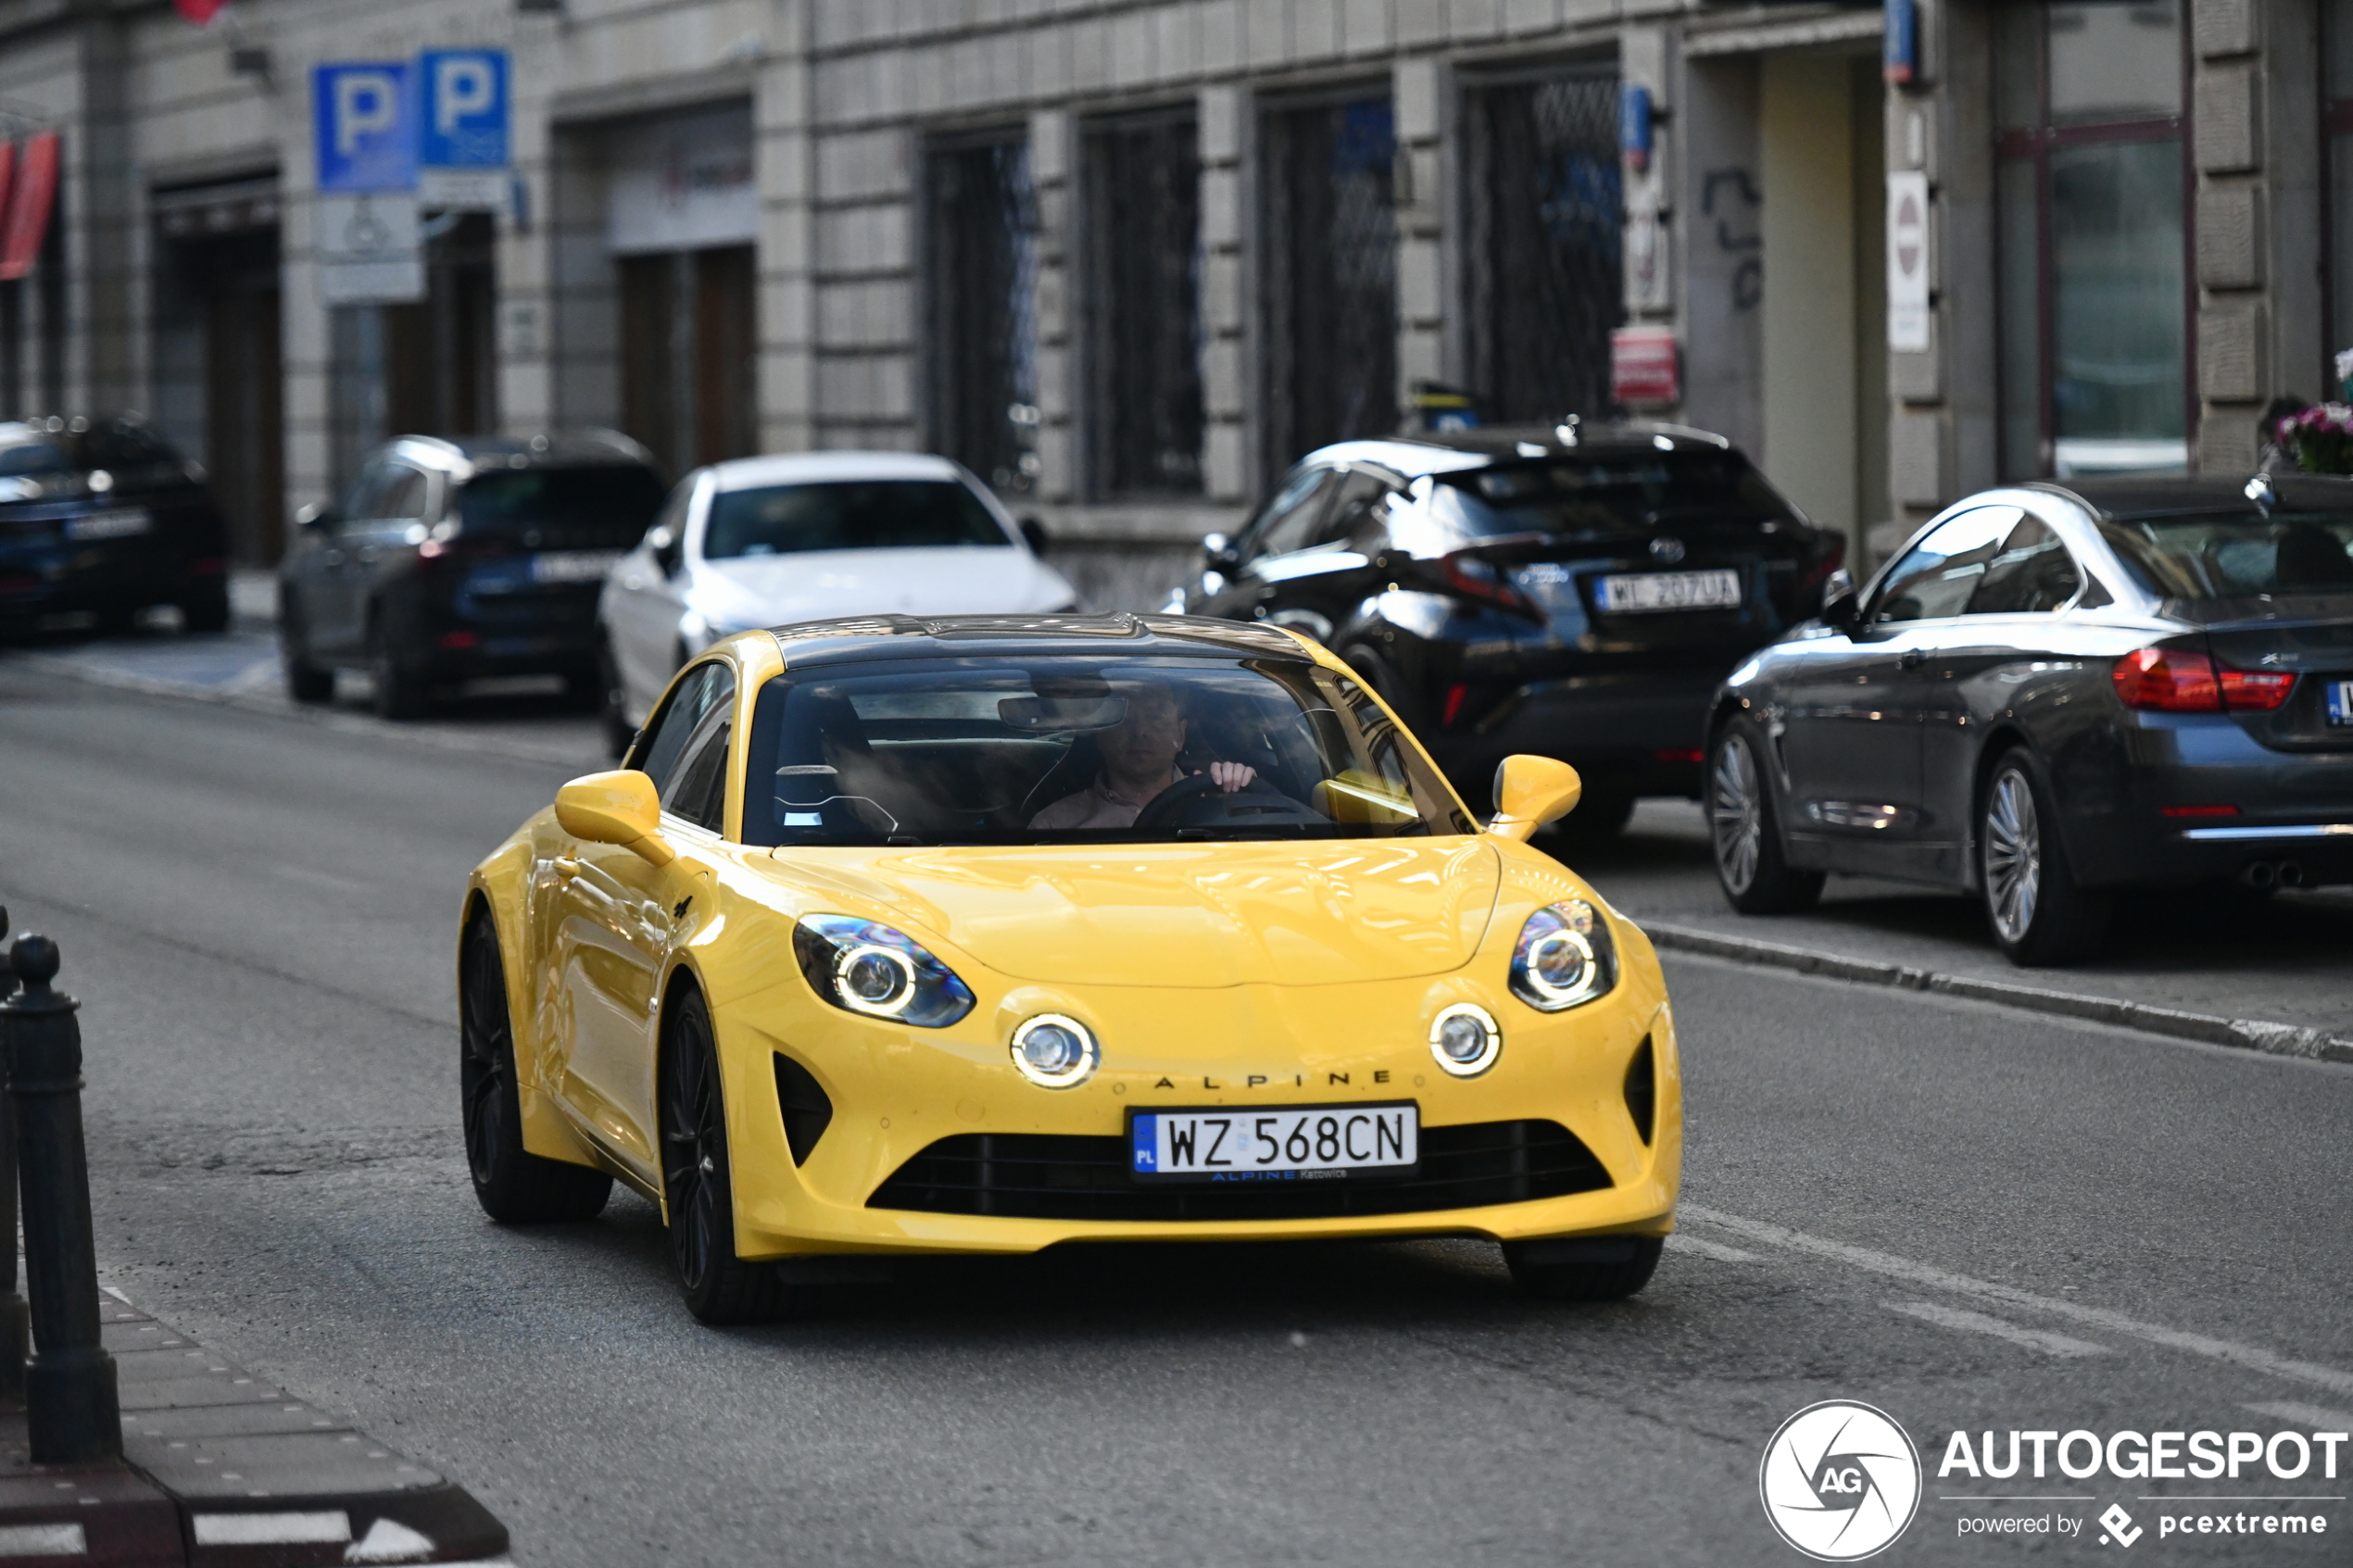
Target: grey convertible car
[(2054, 693)]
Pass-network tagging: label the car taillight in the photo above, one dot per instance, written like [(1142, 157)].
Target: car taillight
[(2179, 681), (1473, 576)]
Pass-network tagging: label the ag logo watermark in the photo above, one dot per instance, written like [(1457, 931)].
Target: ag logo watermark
[(1841, 1481)]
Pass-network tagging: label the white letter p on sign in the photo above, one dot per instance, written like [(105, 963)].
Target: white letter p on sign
[(461, 87), (366, 104)]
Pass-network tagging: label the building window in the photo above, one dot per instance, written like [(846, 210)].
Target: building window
[(981, 268), (2091, 187), (1329, 231), (1543, 282), (2338, 85), (1144, 321)]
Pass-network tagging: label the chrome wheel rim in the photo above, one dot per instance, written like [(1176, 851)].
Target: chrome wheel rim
[(2013, 856), (1736, 815)]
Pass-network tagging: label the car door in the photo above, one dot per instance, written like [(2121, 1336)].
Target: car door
[(385, 539), (2007, 636), (1317, 588), (331, 600), (1282, 526), (617, 916), (1851, 739), (645, 601)]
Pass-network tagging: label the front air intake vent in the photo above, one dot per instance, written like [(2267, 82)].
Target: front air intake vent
[(1642, 1090), (1052, 1176), (807, 1110)]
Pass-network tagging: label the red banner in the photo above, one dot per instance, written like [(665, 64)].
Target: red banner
[(199, 12), (1645, 369), (33, 193)]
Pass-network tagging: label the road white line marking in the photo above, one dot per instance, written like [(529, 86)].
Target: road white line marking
[(2252, 1357), (2305, 1415), (1679, 1242), (1978, 1323)]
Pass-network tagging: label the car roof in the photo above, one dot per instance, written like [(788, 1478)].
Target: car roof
[(2159, 496), (1456, 450), (807, 467), (857, 639), (584, 448)]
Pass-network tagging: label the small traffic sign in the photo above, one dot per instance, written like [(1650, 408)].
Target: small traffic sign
[(464, 122), (365, 132)]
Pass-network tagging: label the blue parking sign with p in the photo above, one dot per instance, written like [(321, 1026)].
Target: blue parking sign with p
[(362, 114), (463, 122)]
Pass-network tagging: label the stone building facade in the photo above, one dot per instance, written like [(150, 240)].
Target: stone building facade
[(1127, 257)]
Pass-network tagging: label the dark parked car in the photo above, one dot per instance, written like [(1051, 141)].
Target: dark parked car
[(2056, 693), (456, 560), (1575, 591), (102, 517)]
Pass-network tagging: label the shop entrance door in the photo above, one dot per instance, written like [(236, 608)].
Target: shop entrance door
[(688, 346)]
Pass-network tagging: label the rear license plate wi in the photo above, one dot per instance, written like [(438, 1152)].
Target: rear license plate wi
[(1288, 1143), (1650, 592), (572, 566), (2341, 702), (124, 523)]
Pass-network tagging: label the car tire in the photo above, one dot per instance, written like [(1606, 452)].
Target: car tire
[(204, 606), (698, 1191), (306, 683), (2039, 914), (1600, 1279), (399, 692), (513, 1185), (1596, 820), (1743, 828)]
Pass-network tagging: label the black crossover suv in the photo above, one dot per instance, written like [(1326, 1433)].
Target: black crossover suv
[(2055, 693), (456, 560), (1575, 591), (102, 517)]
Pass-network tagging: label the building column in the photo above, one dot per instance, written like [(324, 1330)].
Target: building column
[(1226, 383), (1420, 91), (785, 164), (1053, 156)]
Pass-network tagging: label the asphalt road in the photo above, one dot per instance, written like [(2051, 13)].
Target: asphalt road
[(1968, 1217)]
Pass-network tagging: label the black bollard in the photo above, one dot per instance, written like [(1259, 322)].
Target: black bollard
[(15, 1330), (71, 1405)]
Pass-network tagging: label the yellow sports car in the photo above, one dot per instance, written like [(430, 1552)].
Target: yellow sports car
[(983, 935)]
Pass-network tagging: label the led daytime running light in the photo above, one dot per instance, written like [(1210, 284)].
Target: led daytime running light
[(901, 993), (1564, 958), (1078, 1053), (864, 967), (1464, 1025)]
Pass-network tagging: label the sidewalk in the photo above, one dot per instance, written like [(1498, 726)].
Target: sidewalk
[(220, 1469), (2286, 962)]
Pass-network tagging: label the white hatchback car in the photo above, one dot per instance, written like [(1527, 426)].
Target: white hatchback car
[(768, 541)]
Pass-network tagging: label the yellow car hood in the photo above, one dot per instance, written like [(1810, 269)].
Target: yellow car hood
[(1155, 914)]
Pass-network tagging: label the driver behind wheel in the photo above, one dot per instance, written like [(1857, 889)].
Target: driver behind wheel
[(1139, 761)]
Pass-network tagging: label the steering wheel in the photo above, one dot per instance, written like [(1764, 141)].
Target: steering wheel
[(1198, 800)]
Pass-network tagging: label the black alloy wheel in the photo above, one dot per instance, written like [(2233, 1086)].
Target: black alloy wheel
[(720, 1287), (306, 683), (1743, 829), (1599, 1279), (513, 1185), (2039, 915), (399, 692)]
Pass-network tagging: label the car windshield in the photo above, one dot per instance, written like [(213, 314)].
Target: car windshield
[(609, 504), (2233, 554), (1612, 494), (125, 447), (864, 514), (1064, 748)]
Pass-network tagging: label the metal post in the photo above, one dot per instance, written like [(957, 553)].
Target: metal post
[(71, 1403), (15, 1326)]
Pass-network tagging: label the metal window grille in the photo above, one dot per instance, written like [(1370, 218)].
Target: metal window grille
[(1543, 243), (1330, 233), (1144, 268), (982, 246)]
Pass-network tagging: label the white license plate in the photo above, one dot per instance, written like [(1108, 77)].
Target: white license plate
[(120, 525), (1669, 590), (1284, 1144), (2341, 702), (572, 566)]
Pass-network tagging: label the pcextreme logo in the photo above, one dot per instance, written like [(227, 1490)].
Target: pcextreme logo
[(1841, 1481)]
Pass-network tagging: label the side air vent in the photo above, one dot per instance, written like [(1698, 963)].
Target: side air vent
[(807, 1110), (1642, 1090)]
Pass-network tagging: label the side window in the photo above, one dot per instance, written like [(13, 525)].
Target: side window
[(1358, 497), (698, 787), (367, 492), (2032, 573), (1287, 520), (1936, 576), (405, 495), (667, 734)]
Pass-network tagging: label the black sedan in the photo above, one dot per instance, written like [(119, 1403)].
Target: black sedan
[(2055, 693), (100, 517), (458, 561), (1575, 591)]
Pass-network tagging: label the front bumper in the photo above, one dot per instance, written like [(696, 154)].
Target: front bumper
[(897, 1092)]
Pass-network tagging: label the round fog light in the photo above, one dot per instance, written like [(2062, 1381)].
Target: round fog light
[(877, 979), (1464, 1041), (1054, 1052)]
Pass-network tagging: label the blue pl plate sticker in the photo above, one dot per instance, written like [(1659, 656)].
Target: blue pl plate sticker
[(1145, 1131), (2341, 702)]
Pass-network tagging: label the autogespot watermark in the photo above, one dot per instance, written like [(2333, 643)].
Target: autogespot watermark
[(1841, 1481)]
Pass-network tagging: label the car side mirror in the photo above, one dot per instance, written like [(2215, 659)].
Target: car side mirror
[(314, 515), (1841, 608), (1218, 553), (1531, 791), (663, 543), (620, 807), (1033, 534)]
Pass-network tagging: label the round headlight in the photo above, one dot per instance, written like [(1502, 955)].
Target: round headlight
[(1564, 957), (875, 980), (1560, 965), (1054, 1052), (1464, 1041)]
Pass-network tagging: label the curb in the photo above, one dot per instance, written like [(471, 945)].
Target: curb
[(2244, 1034)]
